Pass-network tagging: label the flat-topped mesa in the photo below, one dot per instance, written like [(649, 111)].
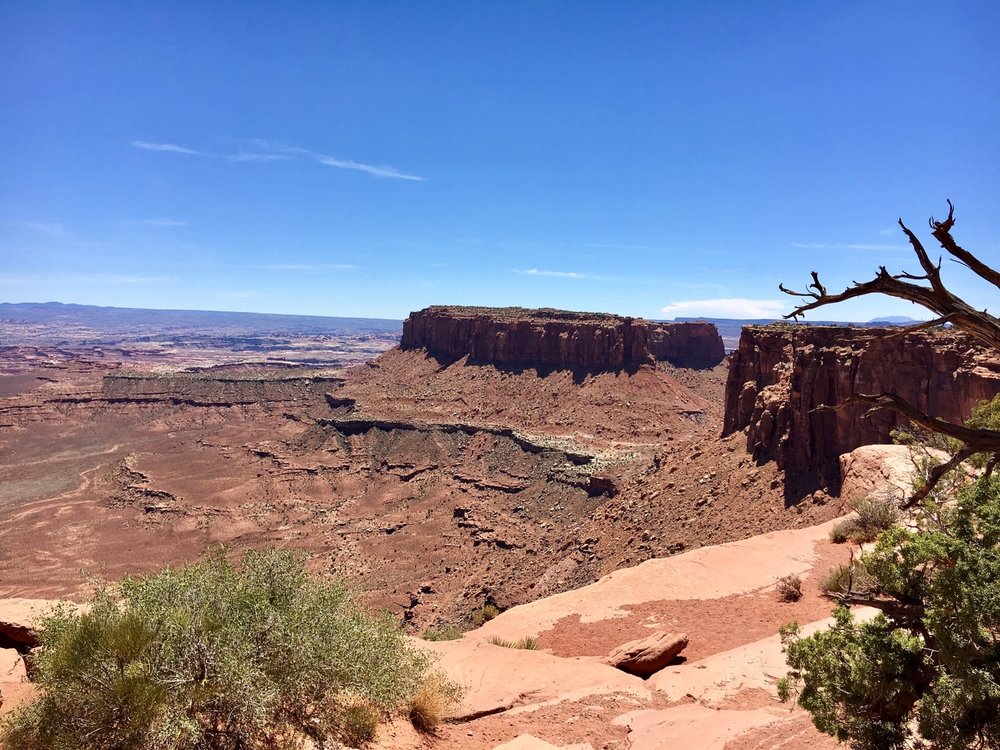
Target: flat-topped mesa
[(697, 344), (555, 338), (780, 374)]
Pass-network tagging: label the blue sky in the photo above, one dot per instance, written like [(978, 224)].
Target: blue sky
[(369, 158)]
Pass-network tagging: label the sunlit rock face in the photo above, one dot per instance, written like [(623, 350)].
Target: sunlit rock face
[(558, 338), (779, 375)]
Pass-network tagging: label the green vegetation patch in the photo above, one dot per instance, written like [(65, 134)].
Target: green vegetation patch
[(209, 656)]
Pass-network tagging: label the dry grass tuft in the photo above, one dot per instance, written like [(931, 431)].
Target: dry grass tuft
[(430, 705)]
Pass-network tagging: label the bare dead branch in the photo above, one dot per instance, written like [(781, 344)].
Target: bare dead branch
[(942, 233), (979, 440), (974, 440), (935, 297), (936, 474), (949, 309), (900, 613), (933, 272)]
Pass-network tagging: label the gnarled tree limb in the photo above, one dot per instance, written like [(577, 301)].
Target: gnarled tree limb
[(974, 440), (935, 297), (942, 233)]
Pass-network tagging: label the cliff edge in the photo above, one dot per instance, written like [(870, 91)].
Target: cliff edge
[(779, 375), (559, 338)]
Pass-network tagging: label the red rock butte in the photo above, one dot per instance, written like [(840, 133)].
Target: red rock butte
[(559, 338), (780, 376)]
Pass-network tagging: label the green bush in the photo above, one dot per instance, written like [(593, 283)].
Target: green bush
[(447, 632), (844, 531), (208, 657), (876, 513), (485, 614), (926, 670), (849, 578)]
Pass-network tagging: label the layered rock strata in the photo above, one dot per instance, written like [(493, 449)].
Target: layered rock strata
[(780, 375), (558, 338)]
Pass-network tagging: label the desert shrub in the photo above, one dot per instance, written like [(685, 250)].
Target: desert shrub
[(843, 531), (789, 588), (359, 722), (208, 657), (486, 613), (928, 666), (429, 706), (527, 643), (876, 513), (852, 577), (447, 632)]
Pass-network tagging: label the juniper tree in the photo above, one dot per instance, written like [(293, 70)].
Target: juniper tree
[(925, 671)]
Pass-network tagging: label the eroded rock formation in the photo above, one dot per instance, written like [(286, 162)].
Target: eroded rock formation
[(779, 375), (558, 338), (695, 344)]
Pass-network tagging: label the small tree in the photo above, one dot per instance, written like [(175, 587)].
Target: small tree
[(925, 672), (208, 657)]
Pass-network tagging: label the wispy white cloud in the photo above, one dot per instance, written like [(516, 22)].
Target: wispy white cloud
[(726, 307), (841, 246), (171, 147), (267, 151), (553, 274), (888, 231), (247, 156), (382, 171)]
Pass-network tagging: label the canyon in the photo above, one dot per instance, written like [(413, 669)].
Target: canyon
[(521, 459)]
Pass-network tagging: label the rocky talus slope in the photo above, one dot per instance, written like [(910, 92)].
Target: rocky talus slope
[(558, 338), (781, 374)]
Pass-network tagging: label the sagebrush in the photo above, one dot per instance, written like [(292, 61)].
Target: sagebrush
[(211, 657)]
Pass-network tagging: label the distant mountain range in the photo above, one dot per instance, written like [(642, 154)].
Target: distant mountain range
[(93, 316)]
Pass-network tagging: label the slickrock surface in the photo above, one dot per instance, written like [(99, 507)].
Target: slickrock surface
[(559, 338), (780, 374), (726, 695)]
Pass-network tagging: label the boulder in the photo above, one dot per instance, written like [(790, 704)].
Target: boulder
[(18, 620), (11, 666), (497, 679), (647, 656)]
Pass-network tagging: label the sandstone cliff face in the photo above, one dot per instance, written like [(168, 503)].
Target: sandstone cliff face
[(686, 344), (557, 338), (780, 374)]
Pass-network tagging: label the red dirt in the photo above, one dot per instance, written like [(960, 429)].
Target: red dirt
[(712, 625)]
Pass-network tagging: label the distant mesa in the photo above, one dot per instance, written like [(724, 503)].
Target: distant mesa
[(559, 338), (892, 320)]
